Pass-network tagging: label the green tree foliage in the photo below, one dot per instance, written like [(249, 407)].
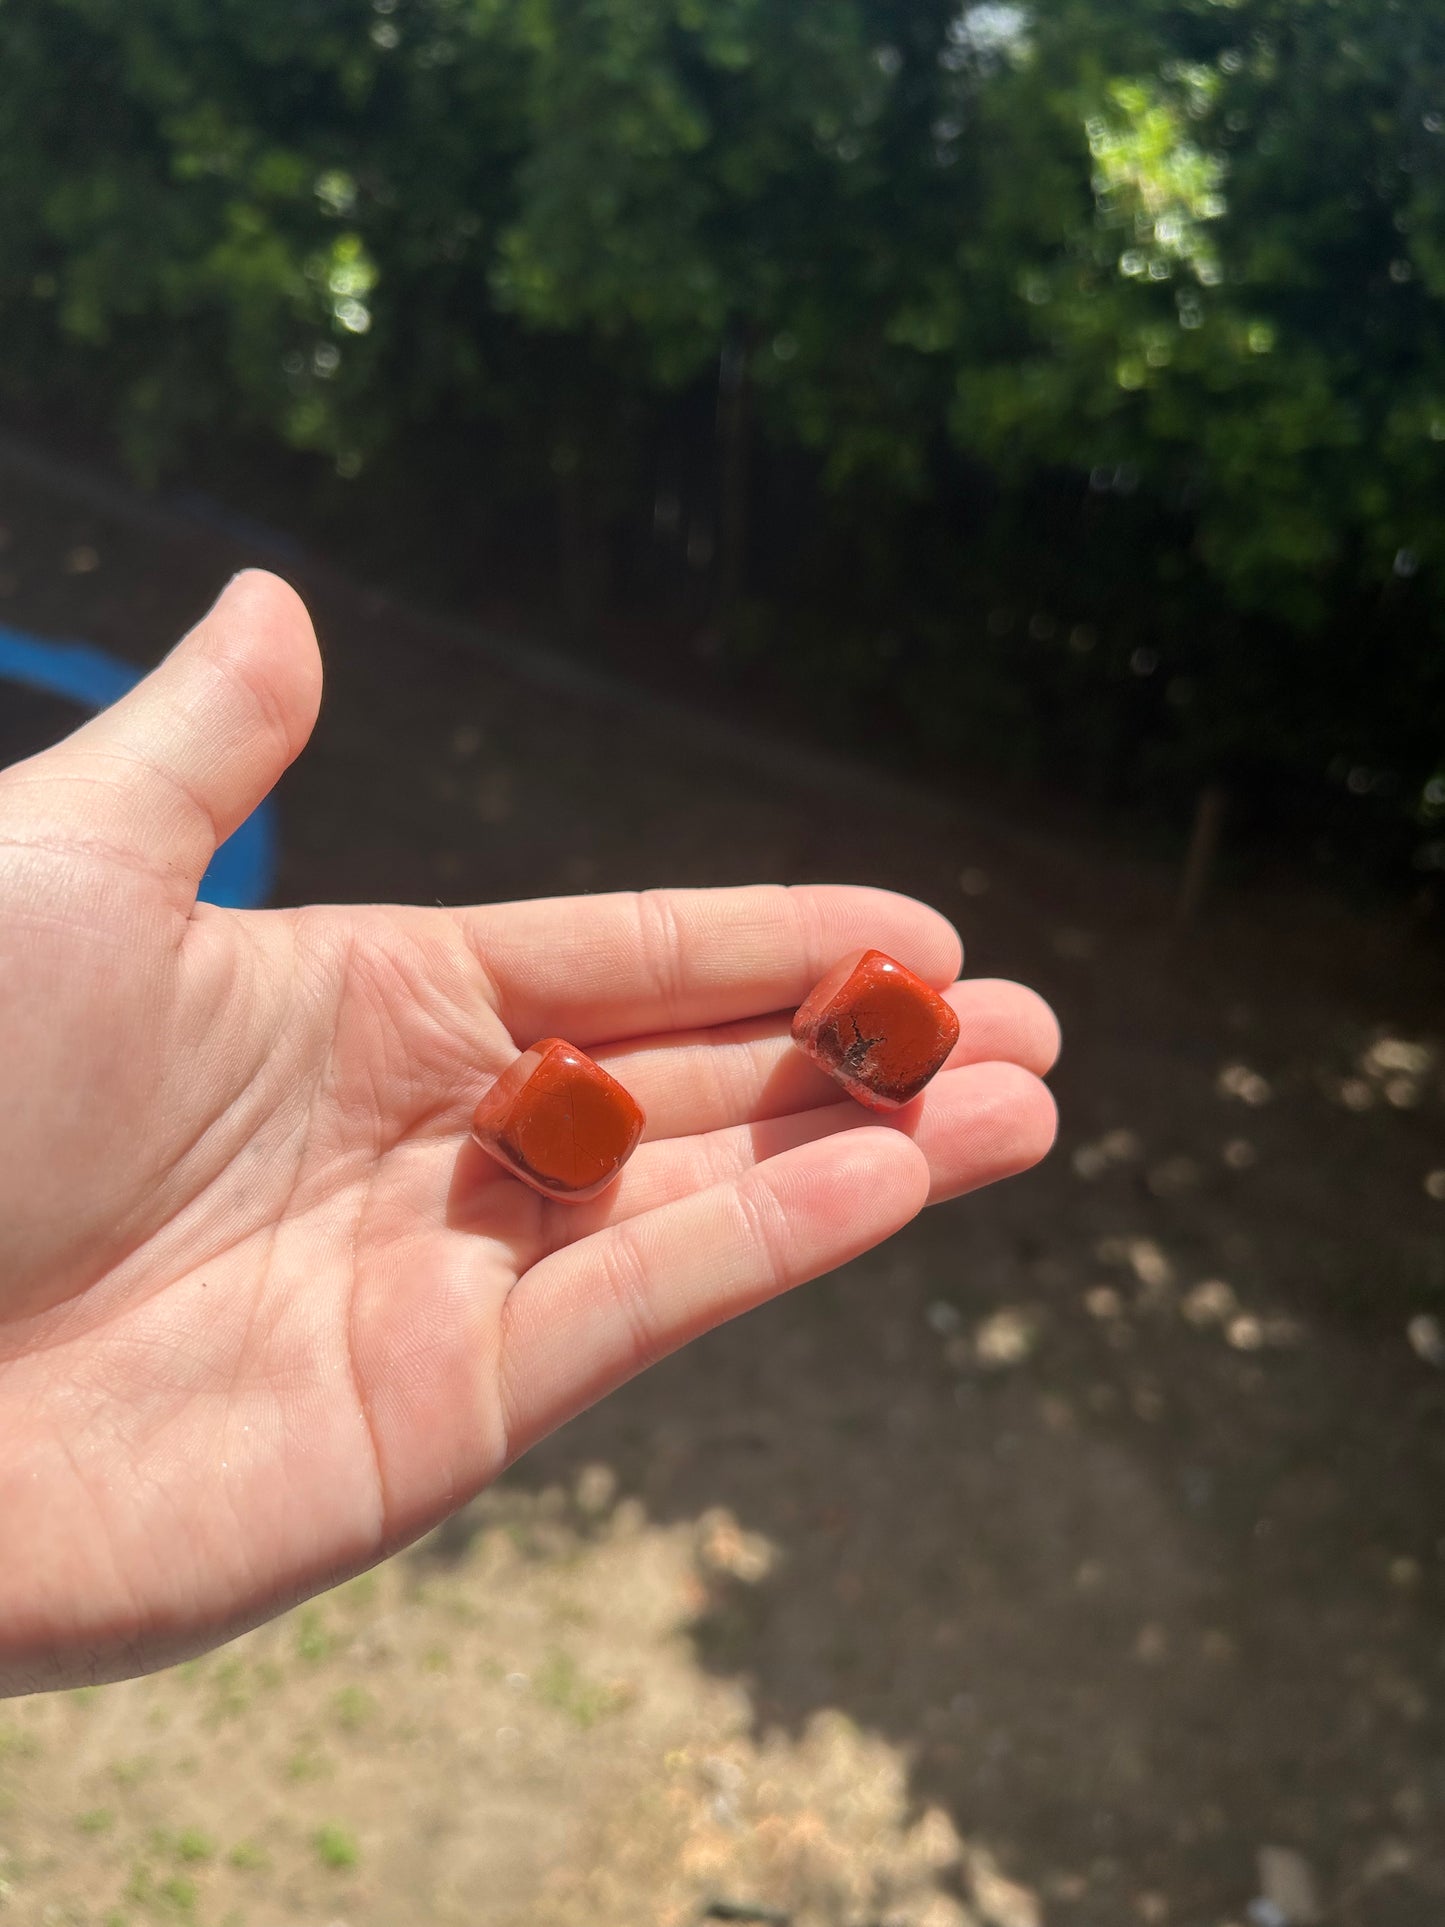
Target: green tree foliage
[(1239, 304), (1172, 271), (197, 202), (1244, 297), (707, 175)]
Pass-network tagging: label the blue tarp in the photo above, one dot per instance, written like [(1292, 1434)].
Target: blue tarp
[(243, 870)]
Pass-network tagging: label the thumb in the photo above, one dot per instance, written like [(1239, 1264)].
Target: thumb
[(168, 772)]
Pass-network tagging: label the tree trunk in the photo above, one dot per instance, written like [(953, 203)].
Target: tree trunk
[(577, 549), (734, 449), (1202, 855)]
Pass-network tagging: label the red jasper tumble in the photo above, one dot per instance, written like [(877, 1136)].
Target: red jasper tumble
[(558, 1122), (876, 1028)]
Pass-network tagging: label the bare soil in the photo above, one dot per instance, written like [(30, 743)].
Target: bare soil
[(1036, 1571)]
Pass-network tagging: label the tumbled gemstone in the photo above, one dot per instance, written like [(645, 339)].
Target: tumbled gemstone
[(558, 1122), (876, 1028)]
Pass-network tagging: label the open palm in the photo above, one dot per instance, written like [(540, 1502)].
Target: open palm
[(265, 1312)]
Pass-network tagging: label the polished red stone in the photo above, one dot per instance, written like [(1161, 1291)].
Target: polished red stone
[(558, 1122), (876, 1028)]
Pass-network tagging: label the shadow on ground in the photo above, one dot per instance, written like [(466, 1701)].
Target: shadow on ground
[(1109, 1503)]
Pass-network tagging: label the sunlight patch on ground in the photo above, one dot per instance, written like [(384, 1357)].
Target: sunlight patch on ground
[(513, 1708)]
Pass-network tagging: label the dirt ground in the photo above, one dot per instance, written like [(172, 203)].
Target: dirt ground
[(1039, 1570)]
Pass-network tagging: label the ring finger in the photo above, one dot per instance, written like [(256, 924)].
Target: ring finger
[(690, 1083)]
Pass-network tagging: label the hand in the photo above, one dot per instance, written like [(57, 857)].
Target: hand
[(266, 1313)]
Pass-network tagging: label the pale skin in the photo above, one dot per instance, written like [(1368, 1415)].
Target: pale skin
[(266, 1314)]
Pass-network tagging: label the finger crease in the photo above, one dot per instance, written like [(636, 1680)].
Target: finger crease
[(622, 1266)]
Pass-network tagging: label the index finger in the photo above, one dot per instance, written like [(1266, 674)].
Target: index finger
[(594, 969)]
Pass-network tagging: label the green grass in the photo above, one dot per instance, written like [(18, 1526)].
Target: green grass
[(177, 1894), (313, 1641), (96, 1820), (231, 1687), (463, 1611), (141, 1886), (16, 1743), (247, 1857), (308, 1762), (571, 1614), (193, 1845), (336, 1847), (560, 1683), (353, 1707), (358, 1592)]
